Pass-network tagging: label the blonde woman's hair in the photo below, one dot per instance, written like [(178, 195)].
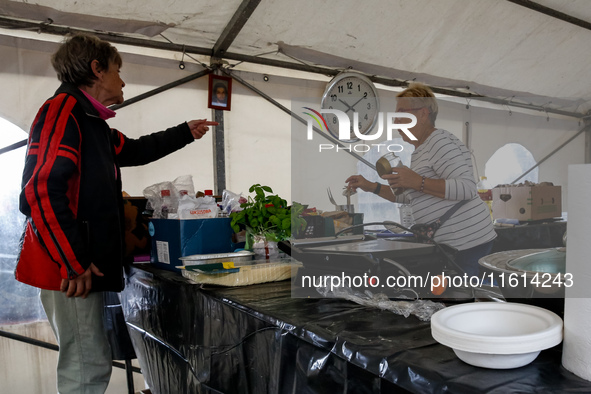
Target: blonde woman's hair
[(422, 97)]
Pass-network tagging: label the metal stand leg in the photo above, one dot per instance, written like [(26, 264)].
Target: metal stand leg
[(129, 373)]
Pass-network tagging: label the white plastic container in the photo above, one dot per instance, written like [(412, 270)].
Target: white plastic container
[(498, 335)]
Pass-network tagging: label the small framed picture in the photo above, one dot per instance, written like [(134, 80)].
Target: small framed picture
[(220, 92)]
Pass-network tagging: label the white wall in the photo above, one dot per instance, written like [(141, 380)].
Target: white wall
[(258, 134)]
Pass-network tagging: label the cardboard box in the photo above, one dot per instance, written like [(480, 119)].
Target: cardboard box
[(526, 203), (173, 239)]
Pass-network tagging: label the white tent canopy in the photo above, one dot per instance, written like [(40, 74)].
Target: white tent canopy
[(501, 51), (493, 48)]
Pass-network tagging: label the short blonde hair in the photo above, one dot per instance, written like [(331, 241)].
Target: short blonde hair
[(73, 58), (423, 96)]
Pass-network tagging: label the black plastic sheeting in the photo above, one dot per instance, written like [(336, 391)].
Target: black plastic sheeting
[(258, 339), (116, 329), (530, 236)]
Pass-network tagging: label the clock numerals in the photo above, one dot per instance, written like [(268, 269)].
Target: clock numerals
[(354, 95)]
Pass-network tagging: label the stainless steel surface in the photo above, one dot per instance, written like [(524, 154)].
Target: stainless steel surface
[(349, 203), (394, 248), (327, 240), (217, 258), (346, 208), (348, 192), (536, 283), (551, 261)]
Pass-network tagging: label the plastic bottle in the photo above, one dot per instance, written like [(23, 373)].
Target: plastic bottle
[(485, 193), (406, 218), (167, 206)]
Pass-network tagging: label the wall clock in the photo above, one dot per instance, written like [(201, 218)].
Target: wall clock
[(351, 92)]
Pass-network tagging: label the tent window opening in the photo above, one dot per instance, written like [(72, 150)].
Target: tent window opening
[(508, 163), (20, 303)]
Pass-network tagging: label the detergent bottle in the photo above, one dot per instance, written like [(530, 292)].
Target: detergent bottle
[(485, 193)]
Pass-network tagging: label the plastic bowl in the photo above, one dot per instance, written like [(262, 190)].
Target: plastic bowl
[(495, 334)]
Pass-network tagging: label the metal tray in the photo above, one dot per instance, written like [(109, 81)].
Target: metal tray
[(195, 259)]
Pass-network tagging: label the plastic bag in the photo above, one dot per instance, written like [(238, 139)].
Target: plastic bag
[(197, 208), (184, 185), (162, 198), (422, 309), (264, 249), (231, 202)]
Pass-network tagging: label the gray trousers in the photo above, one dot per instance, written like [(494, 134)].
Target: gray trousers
[(84, 362)]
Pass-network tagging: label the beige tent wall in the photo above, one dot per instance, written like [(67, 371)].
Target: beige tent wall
[(258, 135)]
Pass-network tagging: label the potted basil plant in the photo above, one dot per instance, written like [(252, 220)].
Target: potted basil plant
[(267, 219)]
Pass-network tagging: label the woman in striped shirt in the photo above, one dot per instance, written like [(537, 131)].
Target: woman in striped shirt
[(440, 175)]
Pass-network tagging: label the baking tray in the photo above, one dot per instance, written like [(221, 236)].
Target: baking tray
[(236, 257), (249, 274)]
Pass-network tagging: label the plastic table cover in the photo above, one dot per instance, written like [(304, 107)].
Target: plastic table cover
[(258, 339), (530, 236)]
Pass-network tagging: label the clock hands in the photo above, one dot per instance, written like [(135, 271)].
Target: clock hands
[(353, 106), (347, 104)]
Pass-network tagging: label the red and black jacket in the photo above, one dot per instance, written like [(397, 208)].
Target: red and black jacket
[(71, 191)]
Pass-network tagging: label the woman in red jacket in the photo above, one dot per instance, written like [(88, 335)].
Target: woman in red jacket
[(73, 244)]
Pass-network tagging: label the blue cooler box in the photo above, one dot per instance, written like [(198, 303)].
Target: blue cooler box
[(173, 239)]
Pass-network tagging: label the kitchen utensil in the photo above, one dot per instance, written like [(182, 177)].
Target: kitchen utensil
[(336, 206), (346, 208), (348, 192), (385, 164)]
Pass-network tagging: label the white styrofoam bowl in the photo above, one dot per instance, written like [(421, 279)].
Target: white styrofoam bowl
[(498, 335)]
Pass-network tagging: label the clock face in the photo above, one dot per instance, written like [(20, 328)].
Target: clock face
[(351, 93)]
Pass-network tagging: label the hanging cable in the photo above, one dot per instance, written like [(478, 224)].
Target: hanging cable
[(182, 63), (259, 55), (186, 54)]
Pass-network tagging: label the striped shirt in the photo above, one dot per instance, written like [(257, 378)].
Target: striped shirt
[(444, 156)]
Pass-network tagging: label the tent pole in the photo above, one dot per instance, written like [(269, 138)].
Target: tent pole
[(586, 128), (161, 89), (553, 13), (239, 19)]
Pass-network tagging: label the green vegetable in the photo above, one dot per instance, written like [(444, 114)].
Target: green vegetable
[(268, 215)]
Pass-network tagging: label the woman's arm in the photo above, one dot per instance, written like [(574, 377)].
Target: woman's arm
[(408, 179), (359, 182)]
